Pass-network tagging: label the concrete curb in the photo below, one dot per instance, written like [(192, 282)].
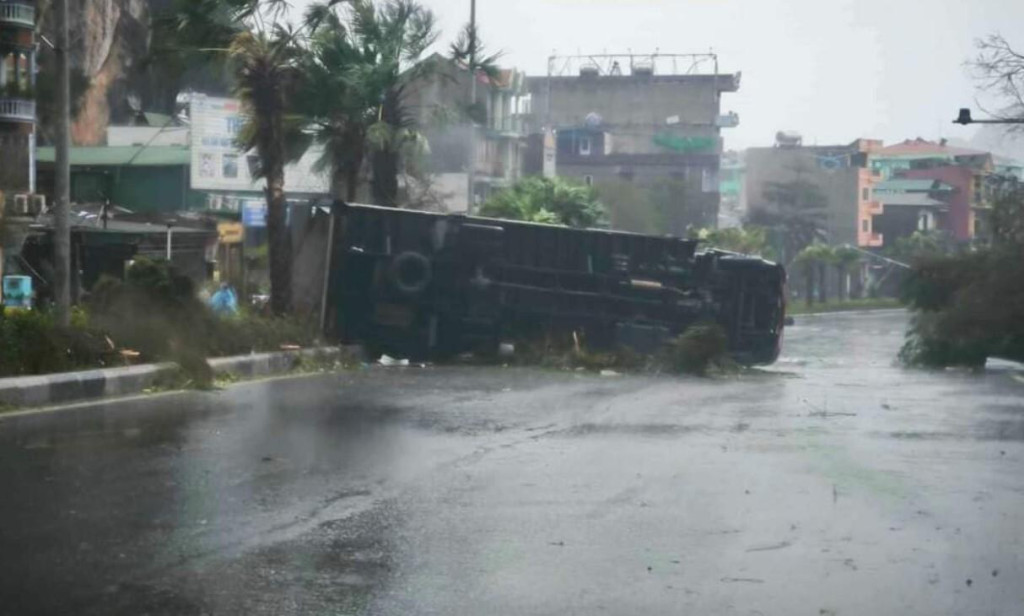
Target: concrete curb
[(45, 389)]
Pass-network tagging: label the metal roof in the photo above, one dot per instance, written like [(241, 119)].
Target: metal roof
[(912, 185), (119, 156), (924, 149), (911, 200)]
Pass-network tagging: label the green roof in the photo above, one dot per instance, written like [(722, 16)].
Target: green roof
[(122, 155), (911, 185), (158, 119)]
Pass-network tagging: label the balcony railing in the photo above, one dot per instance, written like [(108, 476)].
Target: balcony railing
[(17, 13), (18, 109)]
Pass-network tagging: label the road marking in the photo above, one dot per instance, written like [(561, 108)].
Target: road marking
[(53, 408)]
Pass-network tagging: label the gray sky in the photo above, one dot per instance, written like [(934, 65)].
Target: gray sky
[(833, 70)]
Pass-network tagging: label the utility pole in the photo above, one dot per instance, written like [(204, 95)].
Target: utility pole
[(62, 189), (471, 164)]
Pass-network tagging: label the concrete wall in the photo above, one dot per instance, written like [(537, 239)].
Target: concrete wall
[(310, 230), (841, 187), (654, 128), (628, 101), (960, 220), (147, 135), (15, 140)]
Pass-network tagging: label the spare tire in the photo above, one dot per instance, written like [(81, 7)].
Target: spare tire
[(411, 272)]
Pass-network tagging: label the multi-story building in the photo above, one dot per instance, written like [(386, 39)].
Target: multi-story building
[(965, 170), (911, 205), (17, 96), (17, 123), (636, 119), (439, 100), (732, 189), (839, 172)]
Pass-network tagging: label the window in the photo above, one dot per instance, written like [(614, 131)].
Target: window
[(584, 146), (229, 166), (865, 225), (865, 194), (588, 180)]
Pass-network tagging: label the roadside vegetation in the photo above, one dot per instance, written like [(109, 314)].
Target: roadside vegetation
[(154, 314), (969, 306), (702, 350), (548, 200)]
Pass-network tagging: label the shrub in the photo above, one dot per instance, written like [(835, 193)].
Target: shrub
[(698, 350), (31, 343), (968, 308)]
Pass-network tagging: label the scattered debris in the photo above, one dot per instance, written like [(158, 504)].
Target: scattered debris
[(970, 581), (607, 372), (824, 413), (775, 546), (560, 544), (995, 573), (387, 360), (731, 580)]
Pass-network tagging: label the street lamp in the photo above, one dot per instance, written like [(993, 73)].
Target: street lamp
[(964, 118)]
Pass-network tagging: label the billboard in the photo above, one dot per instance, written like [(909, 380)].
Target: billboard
[(218, 165)]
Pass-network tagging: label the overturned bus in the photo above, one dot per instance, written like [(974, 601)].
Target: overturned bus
[(423, 284)]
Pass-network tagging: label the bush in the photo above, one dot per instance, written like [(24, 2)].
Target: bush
[(154, 312), (968, 308), (31, 343), (698, 350)]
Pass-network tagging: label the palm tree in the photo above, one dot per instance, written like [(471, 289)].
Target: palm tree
[(807, 262), (826, 256), (795, 212), (266, 75), (337, 107), (262, 64), (362, 57), (548, 200), (813, 261), (845, 257)]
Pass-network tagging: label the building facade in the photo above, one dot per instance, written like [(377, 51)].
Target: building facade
[(17, 96), (439, 101), (911, 205), (639, 120), (840, 172), (966, 170)]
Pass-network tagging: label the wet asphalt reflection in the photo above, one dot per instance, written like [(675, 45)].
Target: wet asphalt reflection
[(833, 482)]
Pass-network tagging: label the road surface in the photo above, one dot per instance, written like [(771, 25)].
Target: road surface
[(832, 483)]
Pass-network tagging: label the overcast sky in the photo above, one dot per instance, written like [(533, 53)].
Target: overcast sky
[(834, 70)]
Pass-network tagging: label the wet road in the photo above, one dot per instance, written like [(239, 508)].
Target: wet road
[(833, 483)]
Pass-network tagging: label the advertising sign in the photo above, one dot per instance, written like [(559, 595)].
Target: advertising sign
[(17, 291), (254, 213), (217, 164), (230, 233)]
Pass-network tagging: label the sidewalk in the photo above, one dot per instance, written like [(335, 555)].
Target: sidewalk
[(25, 391)]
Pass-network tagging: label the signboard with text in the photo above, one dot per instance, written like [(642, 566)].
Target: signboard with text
[(217, 164), (230, 233)]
